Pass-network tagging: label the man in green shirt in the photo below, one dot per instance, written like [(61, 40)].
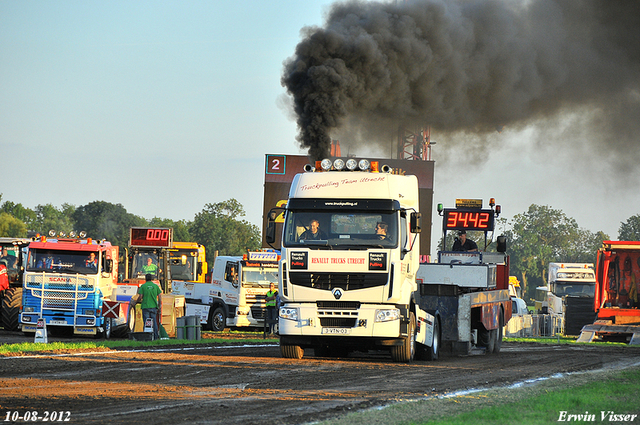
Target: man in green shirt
[(150, 301), (149, 268)]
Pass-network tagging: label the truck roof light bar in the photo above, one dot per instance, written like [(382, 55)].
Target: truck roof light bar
[(325, 164)]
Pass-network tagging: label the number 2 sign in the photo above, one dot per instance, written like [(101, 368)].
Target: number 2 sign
[(276, 164)]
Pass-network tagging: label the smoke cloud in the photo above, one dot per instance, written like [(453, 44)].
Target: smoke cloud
[(468, 67)]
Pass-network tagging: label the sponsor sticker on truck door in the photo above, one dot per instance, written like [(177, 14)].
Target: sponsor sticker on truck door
[(377, 261), (298, 261)]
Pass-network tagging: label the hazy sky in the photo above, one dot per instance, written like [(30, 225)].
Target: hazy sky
[(165, 106)]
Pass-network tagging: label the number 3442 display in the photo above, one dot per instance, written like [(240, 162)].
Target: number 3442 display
[(469, 220)]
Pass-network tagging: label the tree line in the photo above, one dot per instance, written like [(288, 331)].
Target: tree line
[(218, 226), (535, 237)]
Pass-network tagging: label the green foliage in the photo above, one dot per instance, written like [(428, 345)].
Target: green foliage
[(103, 220), (630, 230), (11, 226), (180, 228), (218, 228), (49, 217), (26, 215)]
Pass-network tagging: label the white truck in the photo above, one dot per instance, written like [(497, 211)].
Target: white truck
[(571, 289), (235, 295), (347, 276)]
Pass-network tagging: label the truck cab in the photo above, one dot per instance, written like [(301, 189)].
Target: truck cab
[(66, 281), (349, 260), (235, 295)]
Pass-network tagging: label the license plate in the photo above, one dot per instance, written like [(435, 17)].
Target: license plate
[(57, 322), (336, 331)]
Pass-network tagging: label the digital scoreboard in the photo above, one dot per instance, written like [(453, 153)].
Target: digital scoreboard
[(151, 237), (460, 219)]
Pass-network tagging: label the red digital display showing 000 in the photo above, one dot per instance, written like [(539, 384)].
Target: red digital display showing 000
[(468, 220), (151, 237)]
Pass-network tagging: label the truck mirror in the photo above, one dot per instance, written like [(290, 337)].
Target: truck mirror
[(415, 222), (108, 266), (270, 233), (502, 244), (199, 268), (272, 215)]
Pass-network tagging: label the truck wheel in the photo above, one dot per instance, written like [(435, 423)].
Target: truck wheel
[(433, 352), (486, 338), (493, 337), (107, 327), (131, 319), (291, 351), (217, 320), (499, 332), (407, 351), (11, 303)]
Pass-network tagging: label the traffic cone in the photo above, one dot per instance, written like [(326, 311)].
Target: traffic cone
[(41, 332)]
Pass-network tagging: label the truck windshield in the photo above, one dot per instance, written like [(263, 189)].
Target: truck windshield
[(10, 257), (341, 229), (145, 263), (55, 261), (183, 265), (582, 289), (258, 278)]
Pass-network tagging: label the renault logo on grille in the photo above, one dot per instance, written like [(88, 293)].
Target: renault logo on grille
[(337, 293)]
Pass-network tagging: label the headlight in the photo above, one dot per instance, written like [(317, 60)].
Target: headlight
[(387, 315), (325, 164), (90, 312), (289, 313), (352, 164), (243, 311), (26, 319), (91, 322), (364, 164), (338, 164), (29, 309)]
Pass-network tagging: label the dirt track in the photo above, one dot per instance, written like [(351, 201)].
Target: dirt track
[(253, 384)]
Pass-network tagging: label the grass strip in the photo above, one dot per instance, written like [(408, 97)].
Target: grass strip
[(595, 395), (31, 347)]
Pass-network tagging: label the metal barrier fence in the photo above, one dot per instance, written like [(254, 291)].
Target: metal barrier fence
[(534, 325)]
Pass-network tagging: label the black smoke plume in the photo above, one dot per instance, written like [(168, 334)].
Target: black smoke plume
[(469, 66)]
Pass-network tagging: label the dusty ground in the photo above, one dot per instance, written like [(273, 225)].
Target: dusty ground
[(253, 384)]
